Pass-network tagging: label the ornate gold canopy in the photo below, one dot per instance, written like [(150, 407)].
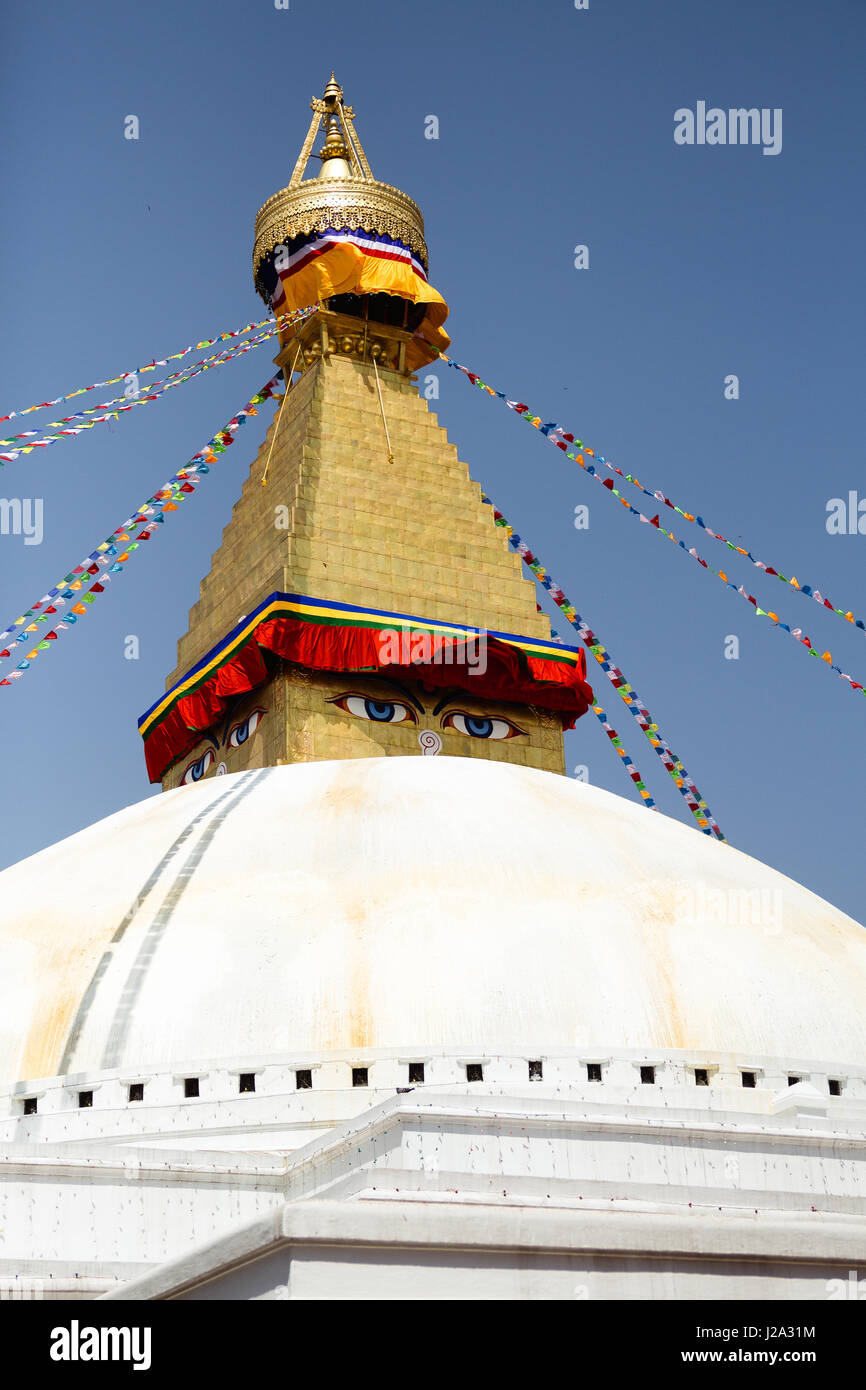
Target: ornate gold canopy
[(344, 194)]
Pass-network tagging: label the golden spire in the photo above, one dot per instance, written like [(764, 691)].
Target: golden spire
[(344, 193)]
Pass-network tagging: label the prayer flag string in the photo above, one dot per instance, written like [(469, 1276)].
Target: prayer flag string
[(109, 557), (607, 483), (627, 762), (686, 787), (125, 403), (274, 323), (612, 735)]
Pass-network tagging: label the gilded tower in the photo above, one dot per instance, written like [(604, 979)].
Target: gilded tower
[(361, 602)]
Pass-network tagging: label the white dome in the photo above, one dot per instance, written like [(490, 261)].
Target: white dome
[(416, 904)]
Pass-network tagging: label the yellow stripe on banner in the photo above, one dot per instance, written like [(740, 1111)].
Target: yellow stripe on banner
[(553, 652)]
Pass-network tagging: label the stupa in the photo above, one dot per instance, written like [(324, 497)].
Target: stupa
[(372, 1000)]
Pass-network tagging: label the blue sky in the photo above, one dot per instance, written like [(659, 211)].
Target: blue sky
[(555, 129)]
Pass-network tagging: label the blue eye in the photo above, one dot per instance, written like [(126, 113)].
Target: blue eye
[(479, 728), (377, 711), (383, 710), (241, 732), (196, 771), (476, 726)]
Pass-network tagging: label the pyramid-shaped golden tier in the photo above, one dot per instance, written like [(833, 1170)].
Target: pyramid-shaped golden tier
[(338, 521)]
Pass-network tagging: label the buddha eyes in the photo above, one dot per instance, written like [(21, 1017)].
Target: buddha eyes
[(196, 771), (241, 732), (392, 712), (478, 726), (377, 711), (238, 735)]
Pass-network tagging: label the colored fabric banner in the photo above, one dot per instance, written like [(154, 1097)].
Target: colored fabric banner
[(645, 721), (126, 403), (607, 483), (158, 362), (109, 557), (317, 265), (329, 636)]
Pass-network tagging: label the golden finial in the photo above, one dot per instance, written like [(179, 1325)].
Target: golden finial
[(334, 154)]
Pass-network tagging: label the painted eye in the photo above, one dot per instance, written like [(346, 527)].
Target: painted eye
[(377, 711), (196, 771), (241, 732), (478, 726)]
